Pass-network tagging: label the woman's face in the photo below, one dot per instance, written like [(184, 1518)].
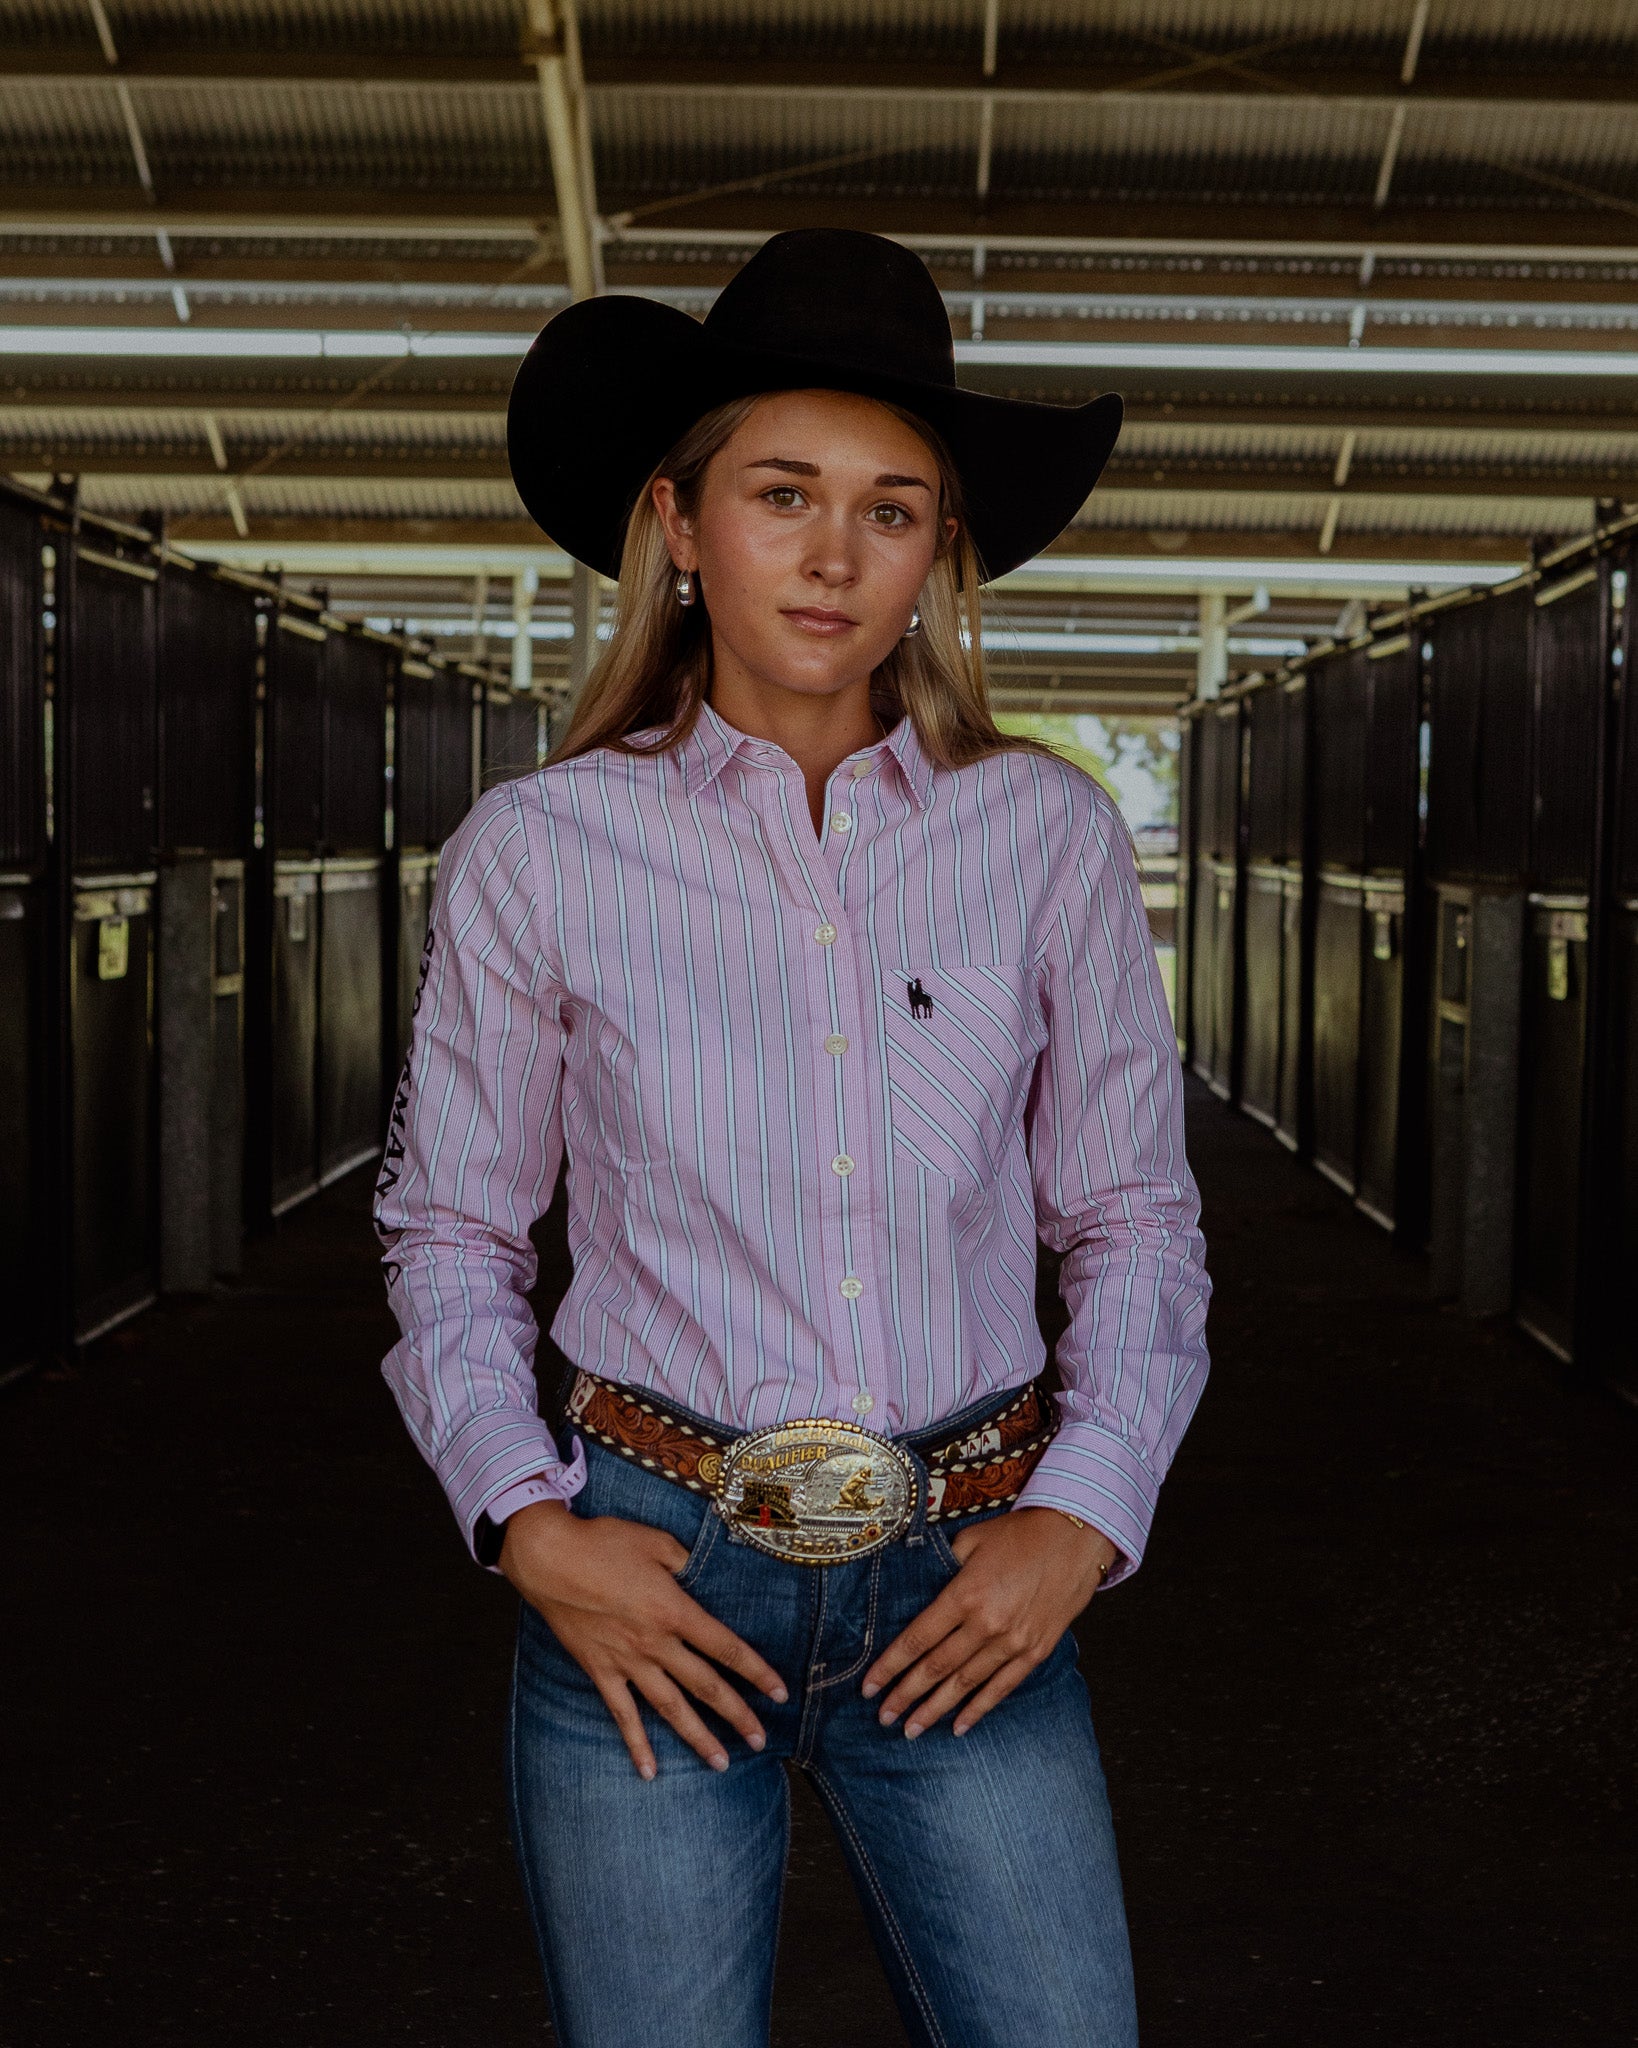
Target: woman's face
[(816, 526)]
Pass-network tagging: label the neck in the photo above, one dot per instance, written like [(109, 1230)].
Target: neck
[(839, 722), (817, 730)]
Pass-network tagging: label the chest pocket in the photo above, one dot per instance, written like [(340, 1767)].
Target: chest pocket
[(962, 1043)]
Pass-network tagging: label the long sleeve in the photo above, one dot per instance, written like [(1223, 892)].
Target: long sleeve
[(1115, 1196), (472, 1155)]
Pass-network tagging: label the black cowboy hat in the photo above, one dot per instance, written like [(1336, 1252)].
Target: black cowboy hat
[(612, 384)]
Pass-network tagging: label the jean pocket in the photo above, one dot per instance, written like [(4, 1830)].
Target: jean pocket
[(699, 1554), (939, 1542)]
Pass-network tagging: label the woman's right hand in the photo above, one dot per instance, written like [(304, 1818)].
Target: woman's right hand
[(607, 1590)]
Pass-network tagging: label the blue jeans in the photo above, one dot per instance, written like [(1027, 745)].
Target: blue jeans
[(985, 1863)]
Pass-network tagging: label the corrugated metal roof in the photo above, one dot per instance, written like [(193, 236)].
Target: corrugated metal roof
[(1455, 448), (1305, 512), (1205, 24), (53, 133), (451, 138), (660, 143), (248, 435), (303, 498), (490, 27), (481, 27), (1210, 23), (652, 142)]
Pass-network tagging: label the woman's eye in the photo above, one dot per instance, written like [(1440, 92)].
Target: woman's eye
[(783, 497), (889, 516)]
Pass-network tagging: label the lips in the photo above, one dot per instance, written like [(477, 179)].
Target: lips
[(816, 619)]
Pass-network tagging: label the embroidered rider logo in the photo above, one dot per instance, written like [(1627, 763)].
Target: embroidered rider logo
[(921, 1003)]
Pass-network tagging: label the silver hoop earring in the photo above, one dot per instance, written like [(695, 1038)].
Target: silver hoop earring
[(915, 623), (685, 587)]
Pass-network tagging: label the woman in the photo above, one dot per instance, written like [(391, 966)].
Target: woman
[(834, 998)]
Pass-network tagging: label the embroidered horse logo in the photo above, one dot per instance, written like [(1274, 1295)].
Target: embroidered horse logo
[(921, 1003)]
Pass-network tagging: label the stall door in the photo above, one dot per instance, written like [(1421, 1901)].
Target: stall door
[(115, 1159), (22, 1327), (1337, 937), (1620, 1326), (1288, 1120), (350, 1105), (1554, 1026), (294, 1138), (1381, 1012), (1203, 970), (1260, 1069), (1221, 1073)]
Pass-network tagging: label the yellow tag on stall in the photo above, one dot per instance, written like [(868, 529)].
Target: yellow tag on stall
[(113, 948)]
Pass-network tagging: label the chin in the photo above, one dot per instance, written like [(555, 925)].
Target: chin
[(800, 663), (811, 678)]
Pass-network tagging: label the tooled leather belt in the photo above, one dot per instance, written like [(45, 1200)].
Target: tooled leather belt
[(819, 1491)]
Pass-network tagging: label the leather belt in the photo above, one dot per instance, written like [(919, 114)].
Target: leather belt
[(820, 1491)]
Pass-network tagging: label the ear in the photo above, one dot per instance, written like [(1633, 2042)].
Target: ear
[(679, 536)]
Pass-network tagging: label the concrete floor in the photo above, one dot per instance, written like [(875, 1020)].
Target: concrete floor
[(1370, 1712)]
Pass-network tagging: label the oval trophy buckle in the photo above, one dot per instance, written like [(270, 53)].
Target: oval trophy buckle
[(816, 1491)]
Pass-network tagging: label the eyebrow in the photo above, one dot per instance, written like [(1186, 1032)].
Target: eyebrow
[(886, 482)]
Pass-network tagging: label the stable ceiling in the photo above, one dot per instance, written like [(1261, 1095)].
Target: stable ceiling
[(1367, 275)]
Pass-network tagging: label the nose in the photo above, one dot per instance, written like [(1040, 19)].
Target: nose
[(832, 560)]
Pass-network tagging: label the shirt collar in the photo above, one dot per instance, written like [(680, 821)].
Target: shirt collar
[(714, 743)]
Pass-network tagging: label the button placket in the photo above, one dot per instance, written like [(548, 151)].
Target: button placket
[(831, 951), (830, 976), (850, 1109)]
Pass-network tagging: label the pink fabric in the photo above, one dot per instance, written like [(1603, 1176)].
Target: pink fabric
[(818, 1096)]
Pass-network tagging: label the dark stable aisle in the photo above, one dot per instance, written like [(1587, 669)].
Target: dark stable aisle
[(1369, 1712)]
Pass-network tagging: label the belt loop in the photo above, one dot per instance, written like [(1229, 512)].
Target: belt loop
[(916, 1533)]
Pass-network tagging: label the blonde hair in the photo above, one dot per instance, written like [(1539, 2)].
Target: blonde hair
[(656, 669)]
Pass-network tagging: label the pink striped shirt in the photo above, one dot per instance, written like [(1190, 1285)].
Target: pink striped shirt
[(819, 1093)]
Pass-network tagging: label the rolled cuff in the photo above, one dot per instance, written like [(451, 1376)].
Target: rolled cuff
[(492, 1454), (1099, 1476), (563, 1484)]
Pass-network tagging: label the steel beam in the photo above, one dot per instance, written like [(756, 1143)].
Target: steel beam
[(1306, 72), (378, 464), (1573, 233), (554, 48), (190, 388)]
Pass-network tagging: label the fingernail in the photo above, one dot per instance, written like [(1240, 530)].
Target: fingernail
[(911, 1730), (647, 1770), (870, 1688), (719, 1762), (779, 1695), (961, 1727), (757, 1740), (888, 1717)]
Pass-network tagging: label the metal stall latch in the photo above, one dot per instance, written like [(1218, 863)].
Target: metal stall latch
[(1565, 928), (113, 948)]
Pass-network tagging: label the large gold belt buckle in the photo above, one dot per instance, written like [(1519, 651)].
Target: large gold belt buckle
[(816, 1492)]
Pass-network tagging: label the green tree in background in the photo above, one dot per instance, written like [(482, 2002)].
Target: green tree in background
[(1136, 760), (1134, 757)]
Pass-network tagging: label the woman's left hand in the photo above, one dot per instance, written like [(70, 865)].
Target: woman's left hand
[(1024, 1577)]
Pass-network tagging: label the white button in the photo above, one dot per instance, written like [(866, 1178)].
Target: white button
[(826, 934), (863, 1403), (841, 1163), (852, 1288), (859, 768), (840, 822), (836, 1042)]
